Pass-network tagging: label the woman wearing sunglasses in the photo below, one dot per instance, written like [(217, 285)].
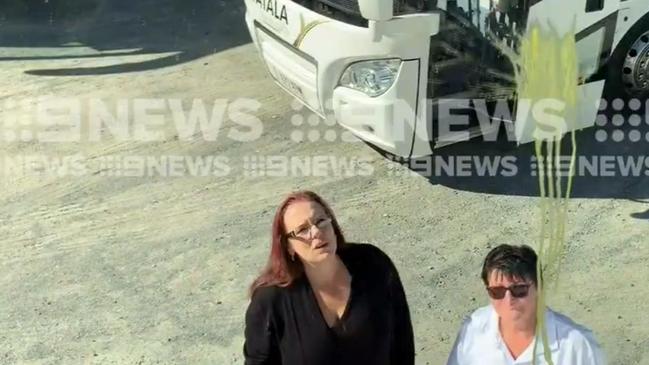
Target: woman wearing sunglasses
[(323, 301), (504, 332)]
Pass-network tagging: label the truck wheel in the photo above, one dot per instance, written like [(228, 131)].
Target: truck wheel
[(628, 71)]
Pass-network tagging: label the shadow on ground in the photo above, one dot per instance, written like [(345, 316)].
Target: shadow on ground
[(189, 29), (606, 167), (641, 215)]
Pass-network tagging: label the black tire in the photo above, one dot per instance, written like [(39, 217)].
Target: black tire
[(615, 86)]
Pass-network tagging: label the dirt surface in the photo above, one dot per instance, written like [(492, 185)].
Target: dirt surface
[(153, 269)]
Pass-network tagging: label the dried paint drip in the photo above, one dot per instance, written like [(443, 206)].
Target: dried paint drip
[(547, 73)]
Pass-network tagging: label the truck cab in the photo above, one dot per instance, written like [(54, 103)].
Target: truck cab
[(386, 70)]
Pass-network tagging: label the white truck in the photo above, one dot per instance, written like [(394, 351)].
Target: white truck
[(384, 68)]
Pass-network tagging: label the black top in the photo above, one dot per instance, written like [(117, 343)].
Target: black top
[(284, 326)]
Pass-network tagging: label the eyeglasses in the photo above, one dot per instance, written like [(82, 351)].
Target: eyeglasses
[(305, 232), (518, 291)]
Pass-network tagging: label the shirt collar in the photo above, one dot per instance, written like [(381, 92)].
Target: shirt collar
[(551, 329)]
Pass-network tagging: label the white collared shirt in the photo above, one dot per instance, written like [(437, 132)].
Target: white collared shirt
[(479, 343)]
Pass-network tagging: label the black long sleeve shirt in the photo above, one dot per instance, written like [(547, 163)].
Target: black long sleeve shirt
[(284, 326)]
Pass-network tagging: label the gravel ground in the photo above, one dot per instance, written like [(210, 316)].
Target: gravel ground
[(100, 269)]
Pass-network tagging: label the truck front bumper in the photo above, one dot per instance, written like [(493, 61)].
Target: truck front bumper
[(306, 53)]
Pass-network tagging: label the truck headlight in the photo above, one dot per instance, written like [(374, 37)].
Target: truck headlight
[(371, 77)]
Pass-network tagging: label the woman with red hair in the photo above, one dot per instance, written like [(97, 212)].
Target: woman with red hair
[(323, 301)]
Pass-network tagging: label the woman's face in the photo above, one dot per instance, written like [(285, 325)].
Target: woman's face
[(311, 234), (512, 309)]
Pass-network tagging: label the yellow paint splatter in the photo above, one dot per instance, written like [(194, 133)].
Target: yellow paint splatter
[(547, 73), (304, 31)]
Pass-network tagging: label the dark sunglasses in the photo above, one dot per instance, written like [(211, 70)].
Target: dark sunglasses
[(518, 291)]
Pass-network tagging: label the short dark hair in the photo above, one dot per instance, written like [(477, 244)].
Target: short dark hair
[(513, 261)]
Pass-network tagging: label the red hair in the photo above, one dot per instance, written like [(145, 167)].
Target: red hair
[(281, 270)]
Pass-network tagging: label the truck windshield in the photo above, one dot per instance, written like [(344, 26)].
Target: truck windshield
[(499, 19)]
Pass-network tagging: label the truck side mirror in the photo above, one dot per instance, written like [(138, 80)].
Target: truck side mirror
[(378, 10)]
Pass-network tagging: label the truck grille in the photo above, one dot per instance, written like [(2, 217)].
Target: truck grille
[(351, 6), (346, 11), (348, 6)]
